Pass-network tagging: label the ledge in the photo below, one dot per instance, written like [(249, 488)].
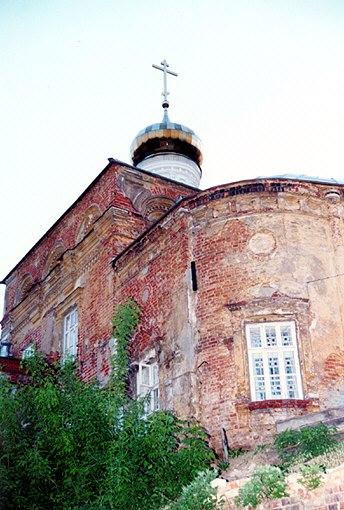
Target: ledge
[(280, 403)]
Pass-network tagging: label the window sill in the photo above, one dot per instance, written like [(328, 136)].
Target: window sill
[(282, 403)]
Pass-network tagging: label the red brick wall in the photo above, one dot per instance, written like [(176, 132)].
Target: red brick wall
[(84, 275), (273, 252), (258, 257)]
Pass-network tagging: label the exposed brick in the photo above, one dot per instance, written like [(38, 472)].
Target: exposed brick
[(258, 247)]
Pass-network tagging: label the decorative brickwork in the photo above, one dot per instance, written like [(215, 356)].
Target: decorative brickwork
[(71, 266), (202, 266)]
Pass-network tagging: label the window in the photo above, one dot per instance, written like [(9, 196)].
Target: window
[(5, 347), (273, 361), (70, 334), (148, 384), (29, 351)]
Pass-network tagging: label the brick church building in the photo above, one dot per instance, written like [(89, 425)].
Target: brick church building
[(241, 288)]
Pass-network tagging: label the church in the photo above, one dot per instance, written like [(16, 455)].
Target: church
[(240, 286)]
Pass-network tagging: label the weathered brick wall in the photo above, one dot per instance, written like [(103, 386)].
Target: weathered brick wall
[(71, 265), (263, 251), (270, 250), (328, 496), (158, 278), (271, 254)]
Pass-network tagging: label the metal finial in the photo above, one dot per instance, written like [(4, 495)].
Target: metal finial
[(165, 103)]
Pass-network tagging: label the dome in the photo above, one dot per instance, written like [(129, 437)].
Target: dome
[(169, 149)]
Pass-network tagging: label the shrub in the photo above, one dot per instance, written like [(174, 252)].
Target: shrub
[(305, 443), (198, 495), (268, 482), (331, 458), (67, 445), (311, 476)]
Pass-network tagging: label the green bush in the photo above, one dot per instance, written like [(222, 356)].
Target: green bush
[(268, 482), (331, 458), (311, 476), (198, 495), (68, 445), (305, 443)]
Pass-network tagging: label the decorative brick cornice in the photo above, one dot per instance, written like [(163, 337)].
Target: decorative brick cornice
[(281, 403)]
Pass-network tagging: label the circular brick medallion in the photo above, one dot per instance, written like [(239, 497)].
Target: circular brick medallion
[(262, 243)]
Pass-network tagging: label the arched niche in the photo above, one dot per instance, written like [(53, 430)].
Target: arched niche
[(91, 215), (23, 288), (54, 257)]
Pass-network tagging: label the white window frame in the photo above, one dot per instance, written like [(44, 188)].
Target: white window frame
[(147, 384), (271, 346), (29, 351), (70, 334)]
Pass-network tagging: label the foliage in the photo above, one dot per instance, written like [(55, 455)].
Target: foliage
[(125, 321), (222, 465), (311, 476), (330, 459), (268, 482), (305, 443), (198, 495), (153, 459), (232, 454), (54, 432), (68, 445)]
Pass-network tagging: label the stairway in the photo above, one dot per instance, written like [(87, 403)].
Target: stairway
[(332, 417)]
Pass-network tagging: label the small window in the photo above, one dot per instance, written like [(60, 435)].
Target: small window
[(29, 351), (273, 361), (70, 334), (5, 347), (148, 385)]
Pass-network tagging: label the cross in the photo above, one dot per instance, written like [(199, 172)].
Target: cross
[(165, 103)]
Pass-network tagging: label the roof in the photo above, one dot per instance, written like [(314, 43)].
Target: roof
[(302, 177), (99, 176)]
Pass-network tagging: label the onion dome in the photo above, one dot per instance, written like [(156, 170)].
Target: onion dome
[(169, 149)]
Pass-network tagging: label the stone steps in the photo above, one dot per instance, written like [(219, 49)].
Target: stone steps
[(329, 417)]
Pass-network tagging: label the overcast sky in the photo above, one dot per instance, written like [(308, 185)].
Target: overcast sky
[(260, 81)]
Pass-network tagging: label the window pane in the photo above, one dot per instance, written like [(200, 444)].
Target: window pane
[(67, 322), (258, 366), (255, 337), (270, 335), (259, 384), (287, 339), (275, 379), (290, 370), (145, 379), (70, 340), (66, 341), (73, 318), (292, 387), (28, 352), (289, 363), (273, 365), (259, 379)]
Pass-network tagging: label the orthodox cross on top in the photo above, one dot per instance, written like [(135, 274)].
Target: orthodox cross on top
[(165, 103)]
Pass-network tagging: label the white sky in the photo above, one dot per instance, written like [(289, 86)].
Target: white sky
[(260, 81)]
